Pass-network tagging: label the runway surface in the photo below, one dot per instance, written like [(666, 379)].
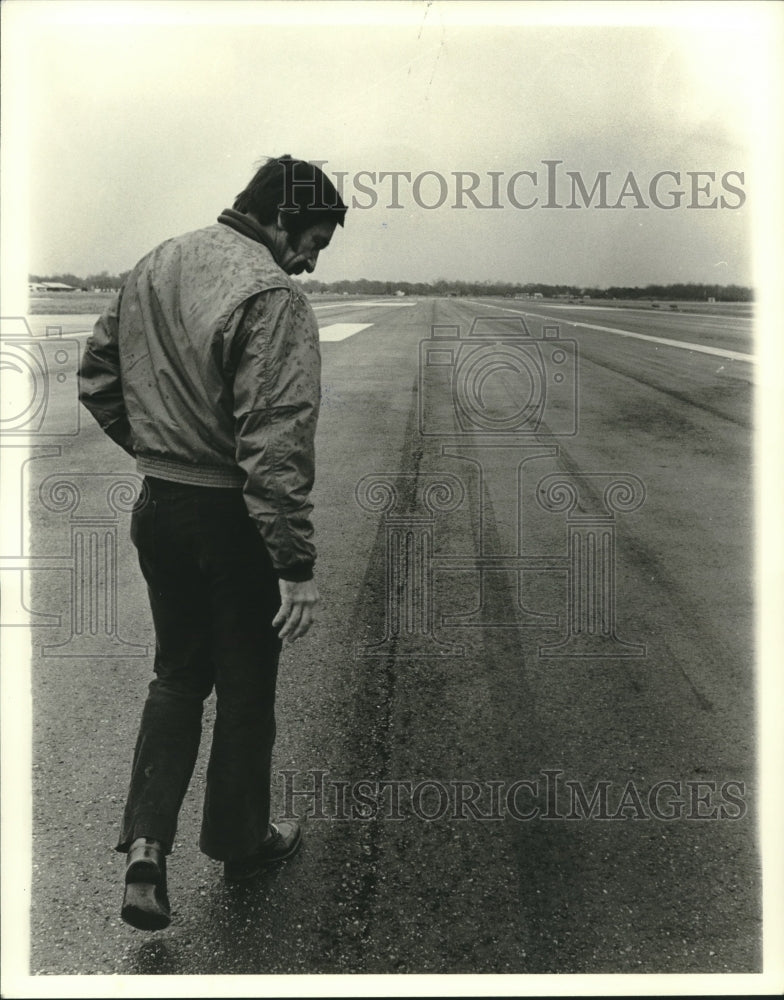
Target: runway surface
[(523, 729)]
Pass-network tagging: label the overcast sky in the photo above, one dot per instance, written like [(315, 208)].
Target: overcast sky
[(137, 132)]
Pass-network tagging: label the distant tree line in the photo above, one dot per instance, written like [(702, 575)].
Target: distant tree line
[(721, 293), (443, 286), (102, 280)]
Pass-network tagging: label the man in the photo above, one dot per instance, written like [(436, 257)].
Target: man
[(207, 369)]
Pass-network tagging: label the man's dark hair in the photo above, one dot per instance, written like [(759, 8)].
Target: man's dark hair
[(299, 190)]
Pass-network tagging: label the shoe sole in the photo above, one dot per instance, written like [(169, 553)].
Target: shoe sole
[(143, 870), (141, 908), (265, 862)]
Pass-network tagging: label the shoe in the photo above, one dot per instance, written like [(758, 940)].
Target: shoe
[(283, 841), (146, 902)]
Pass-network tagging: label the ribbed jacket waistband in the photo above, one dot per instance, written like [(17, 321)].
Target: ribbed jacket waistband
[(193, 475)]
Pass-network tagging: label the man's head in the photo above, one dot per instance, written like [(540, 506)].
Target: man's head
[(298, 206)]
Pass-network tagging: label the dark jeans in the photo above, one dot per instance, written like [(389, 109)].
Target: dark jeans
[(213, 594)]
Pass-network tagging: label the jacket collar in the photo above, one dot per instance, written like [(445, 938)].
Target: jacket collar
[(247, 226)]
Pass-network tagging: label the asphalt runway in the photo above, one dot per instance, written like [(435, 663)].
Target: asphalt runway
[(521, 737)]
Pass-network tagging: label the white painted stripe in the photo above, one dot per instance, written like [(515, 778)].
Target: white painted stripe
[(665, 314), (335, 331), (389, 302), (718, 352), (362, 305), (339, 331)]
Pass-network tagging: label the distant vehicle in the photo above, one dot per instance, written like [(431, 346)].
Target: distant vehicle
[(538, 295)]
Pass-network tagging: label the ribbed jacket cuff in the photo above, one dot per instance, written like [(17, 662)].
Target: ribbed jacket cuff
[(298, 573)]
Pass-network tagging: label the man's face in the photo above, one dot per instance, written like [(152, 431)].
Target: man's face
[(300, 253)]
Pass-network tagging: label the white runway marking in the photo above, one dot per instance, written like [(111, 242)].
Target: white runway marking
[(358, 305), (339, 331), (335, 331), (718, 352), (655, 313)]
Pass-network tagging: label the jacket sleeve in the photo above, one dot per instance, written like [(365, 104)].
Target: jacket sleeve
[(276, 364), (100, 387)]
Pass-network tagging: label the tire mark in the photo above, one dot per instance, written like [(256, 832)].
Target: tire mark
[(681, 397), (368, 743)]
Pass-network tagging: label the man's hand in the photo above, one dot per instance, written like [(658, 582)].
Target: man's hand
[(297, 606)]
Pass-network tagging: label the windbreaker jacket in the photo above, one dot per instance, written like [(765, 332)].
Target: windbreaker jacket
[(207, 369)]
